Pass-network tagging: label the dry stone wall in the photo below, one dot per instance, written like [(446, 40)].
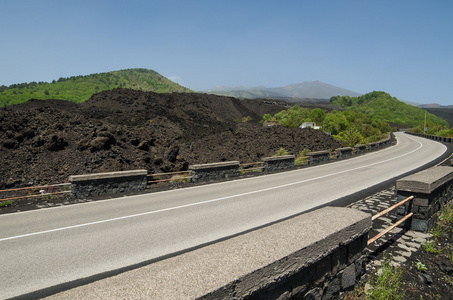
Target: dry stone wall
[(91, 185)]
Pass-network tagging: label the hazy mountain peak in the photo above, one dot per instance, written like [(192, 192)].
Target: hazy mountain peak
[(308, 89)]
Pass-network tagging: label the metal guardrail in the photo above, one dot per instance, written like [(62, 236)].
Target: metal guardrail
[(393, 225)]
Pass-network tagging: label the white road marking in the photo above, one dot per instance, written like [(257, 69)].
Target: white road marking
[(204, 202)]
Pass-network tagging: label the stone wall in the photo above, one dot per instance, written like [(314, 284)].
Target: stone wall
[(431, 189), (318, 157), (213, 171), (278, 162), (90, 185), (372, 146), (359, 149), (379, 145), (343, 152), (385, 142)]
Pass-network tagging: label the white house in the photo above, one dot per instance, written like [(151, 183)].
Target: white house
[(309, 125)]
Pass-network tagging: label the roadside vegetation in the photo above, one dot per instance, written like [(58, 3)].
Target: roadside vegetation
[(348, 126), (381, 107), (428, 273), (81, 88), (363, 120)]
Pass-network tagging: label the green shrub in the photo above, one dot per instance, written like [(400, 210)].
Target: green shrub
[(304, 152), (246, 119), (281, 152)]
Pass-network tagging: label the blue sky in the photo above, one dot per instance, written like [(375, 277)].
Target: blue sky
[(400, 47)]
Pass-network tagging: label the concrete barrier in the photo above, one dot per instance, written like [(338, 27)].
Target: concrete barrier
[(431, 189), (278, 162), (318, 157), (213, 171), (90, 185)]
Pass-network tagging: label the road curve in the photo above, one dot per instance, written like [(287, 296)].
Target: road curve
[(41, 250)]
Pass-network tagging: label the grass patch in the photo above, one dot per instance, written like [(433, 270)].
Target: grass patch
[(302, 157), (445, 218), (421, 267), (300, 161), (388, 285), (6, 203), (437, 232), (428, 246)]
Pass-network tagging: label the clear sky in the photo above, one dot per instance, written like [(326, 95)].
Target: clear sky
[(402, 47)]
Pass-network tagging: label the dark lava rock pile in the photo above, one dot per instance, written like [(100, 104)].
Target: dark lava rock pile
[(44, 142)]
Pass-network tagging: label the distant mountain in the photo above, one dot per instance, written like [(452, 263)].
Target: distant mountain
[(248, 93), (416, 104), (435, 105), (313, 89), (81, 88)]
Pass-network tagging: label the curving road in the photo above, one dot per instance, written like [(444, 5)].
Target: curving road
[(43, 250)]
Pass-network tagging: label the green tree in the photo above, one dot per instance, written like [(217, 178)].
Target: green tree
[(351, 136), (335, 122), (317, 115)]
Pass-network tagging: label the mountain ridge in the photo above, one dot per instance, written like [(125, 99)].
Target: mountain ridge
[(308, 89), (81, 88)]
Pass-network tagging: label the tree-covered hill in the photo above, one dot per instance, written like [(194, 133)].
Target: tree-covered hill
[(81, 88), (383, 107)]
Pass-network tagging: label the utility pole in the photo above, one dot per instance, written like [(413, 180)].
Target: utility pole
[(424, 127)]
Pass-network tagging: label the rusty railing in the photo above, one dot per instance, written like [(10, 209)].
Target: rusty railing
[(174, 176), (393, 225), (251, 167), (34, 191)]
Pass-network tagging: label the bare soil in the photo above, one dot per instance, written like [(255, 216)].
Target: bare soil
[(44, 142), (437, 281)]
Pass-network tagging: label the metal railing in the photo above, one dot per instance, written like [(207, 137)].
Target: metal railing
[(34, 191), (393, 225), (174, 176), (251, 167)]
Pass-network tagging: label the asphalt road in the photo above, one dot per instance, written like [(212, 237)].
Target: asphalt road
[(52, 249)]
